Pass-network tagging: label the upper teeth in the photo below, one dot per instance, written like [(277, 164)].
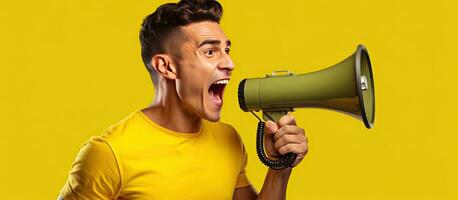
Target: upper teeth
[(222, 82)]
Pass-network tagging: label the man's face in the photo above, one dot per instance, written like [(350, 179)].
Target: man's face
[(203, 68)]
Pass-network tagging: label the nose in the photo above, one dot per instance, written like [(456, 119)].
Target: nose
[(226, 64)]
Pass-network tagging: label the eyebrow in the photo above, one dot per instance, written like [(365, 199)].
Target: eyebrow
[(214, 42)]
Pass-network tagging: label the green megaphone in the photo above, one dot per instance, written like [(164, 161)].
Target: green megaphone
[(346, 87)]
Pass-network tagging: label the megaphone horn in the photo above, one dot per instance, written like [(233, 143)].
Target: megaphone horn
[(346, 87)]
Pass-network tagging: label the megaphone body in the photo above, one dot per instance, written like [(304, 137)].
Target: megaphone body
[(346, 87)]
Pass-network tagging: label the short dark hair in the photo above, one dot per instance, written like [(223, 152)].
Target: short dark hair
[(157, 26)]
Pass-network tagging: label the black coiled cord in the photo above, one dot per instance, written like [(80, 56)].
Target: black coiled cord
[(285, 161)]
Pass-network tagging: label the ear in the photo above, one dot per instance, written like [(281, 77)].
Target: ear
[(164, 66)]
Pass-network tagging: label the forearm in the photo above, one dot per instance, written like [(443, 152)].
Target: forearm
[(275, 185)]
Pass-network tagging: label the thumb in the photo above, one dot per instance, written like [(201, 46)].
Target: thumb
[(271, 127)]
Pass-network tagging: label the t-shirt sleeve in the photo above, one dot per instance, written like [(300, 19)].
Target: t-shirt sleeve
[(94, 175), (242, 180)]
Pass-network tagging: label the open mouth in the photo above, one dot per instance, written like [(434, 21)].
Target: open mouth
[(216, 91)]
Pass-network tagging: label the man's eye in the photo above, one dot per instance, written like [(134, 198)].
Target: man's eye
[(210, 52), (227, 50)]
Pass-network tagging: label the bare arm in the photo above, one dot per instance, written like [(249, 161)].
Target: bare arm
[(275, 184), (245, 193), (274, 187)]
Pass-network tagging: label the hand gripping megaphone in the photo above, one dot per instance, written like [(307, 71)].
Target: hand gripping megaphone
[(346, 87)]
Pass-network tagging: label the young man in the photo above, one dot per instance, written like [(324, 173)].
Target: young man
[(177, 148)]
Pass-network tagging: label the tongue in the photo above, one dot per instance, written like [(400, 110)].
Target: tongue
[(214, 96), (215, 91)]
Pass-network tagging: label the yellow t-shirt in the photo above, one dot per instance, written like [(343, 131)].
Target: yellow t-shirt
[(138, 159)]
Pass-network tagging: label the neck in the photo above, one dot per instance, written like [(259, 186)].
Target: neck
[(168, 112)]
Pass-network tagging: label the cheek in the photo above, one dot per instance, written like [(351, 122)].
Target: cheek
[(193, 82)]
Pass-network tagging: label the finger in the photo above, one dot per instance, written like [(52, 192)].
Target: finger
[(289, 130), (287, 119), (301, 148), (271, 127), (279, 134), (290, 139), (299, 158)]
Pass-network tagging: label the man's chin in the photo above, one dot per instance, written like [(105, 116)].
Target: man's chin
[(213, 117), (211, 113)]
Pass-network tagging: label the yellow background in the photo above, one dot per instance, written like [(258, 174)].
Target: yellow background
[(69, 69)]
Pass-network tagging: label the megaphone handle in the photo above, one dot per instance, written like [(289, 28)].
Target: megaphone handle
[(285, 161)]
